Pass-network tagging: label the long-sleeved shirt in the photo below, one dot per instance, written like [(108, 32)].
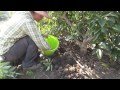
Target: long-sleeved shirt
[(18, 26)]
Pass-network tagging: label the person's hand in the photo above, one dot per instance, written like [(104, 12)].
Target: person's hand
[(45, 35)]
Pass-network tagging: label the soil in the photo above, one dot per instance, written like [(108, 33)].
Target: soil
[(69, 63)]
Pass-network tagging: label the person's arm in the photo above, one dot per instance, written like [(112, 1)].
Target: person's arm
[(31, 30)]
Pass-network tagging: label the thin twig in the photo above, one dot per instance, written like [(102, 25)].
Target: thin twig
[(77, 61), (66, 19)]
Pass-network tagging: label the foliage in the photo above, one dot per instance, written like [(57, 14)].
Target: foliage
[(7, 71), (105, 28), (29, 73), (48, 64), (99, 28)]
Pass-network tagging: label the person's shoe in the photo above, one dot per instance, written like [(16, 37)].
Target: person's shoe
[(34, 67)]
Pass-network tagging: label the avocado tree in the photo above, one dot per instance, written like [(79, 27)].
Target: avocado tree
[(98, 29)]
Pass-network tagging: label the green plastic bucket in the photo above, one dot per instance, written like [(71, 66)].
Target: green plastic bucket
[(54, 44)]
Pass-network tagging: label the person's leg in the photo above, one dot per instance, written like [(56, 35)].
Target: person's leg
[(31, 54), (24, 50)]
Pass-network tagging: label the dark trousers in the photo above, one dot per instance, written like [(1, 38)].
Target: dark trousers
[(24, 51)]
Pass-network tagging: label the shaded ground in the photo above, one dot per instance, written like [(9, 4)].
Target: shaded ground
[(69, 64)]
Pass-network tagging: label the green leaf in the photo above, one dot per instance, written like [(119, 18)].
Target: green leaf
[(99, 53), (4, 63), (102, 22), (103, 30), (96, 36), (118, 39), (48, 68), (117, 28), (12, 69), (29, 73), (111, 14), (51, 67), (112, 19), (103, 45)]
